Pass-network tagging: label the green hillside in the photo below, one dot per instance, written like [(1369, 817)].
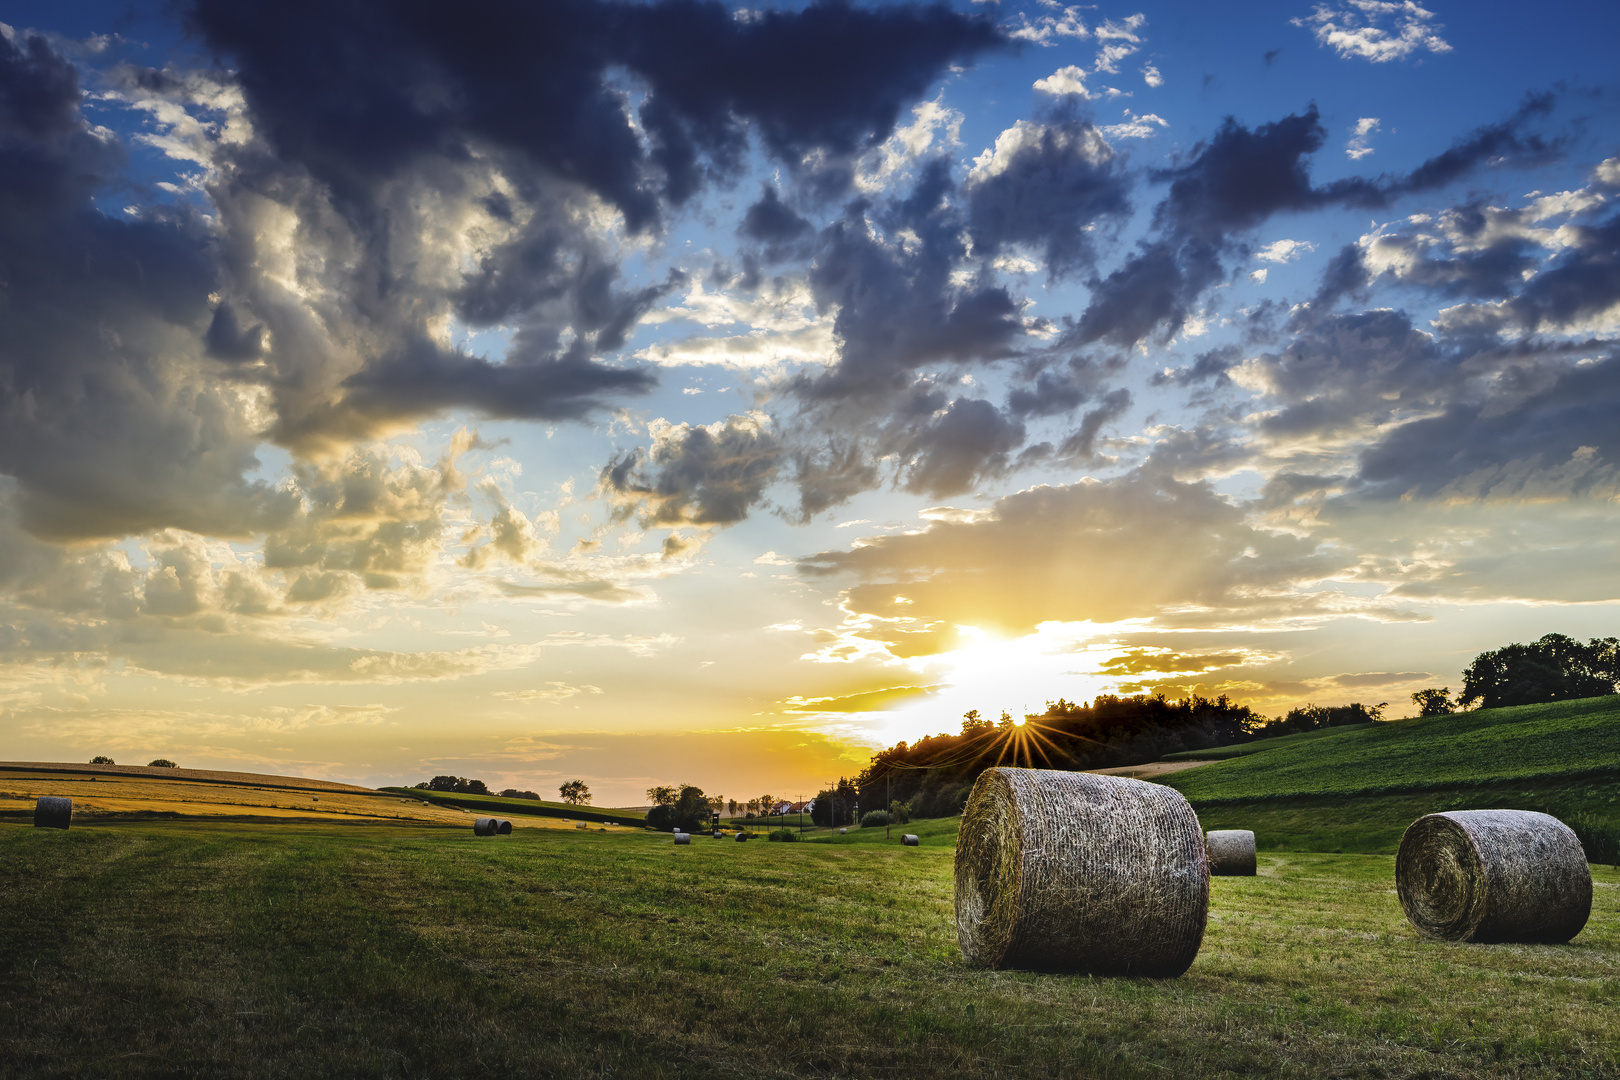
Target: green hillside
[(495, 804), (1357, 789), (1567, 739), (1260, 746)]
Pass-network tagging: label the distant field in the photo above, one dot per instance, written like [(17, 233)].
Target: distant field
[(151, 950), (1568, 739), (1261, 745), (495, 804)]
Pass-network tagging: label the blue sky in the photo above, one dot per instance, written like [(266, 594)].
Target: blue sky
[(694, 392)]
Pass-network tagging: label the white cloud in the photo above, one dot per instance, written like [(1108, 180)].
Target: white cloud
[(1144, 126), (1151, 76), (1045, 29), (934, 124), (1357, 147), (1283, 250), (1065, 80), (1258, 276), (1356, 30)]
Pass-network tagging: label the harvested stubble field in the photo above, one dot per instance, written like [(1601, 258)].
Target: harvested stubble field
[(137, 793), (160, 949)]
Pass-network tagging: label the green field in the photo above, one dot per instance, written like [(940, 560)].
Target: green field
[(1567, 739), (1259, 746), (1357, 789), (166, 950), (496, 804)]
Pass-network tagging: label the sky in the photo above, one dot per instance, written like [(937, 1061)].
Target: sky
[(689, 392)]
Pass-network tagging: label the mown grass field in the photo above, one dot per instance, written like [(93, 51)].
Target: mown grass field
[(1572, 738), (496, 804), (163, 950), (1358, 788)]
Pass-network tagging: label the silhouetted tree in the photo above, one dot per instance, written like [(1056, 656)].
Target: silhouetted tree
[(1555, 668), (836, 806), (102, 759), (458, 784), (688, 811), (662, 795), (161, 763), (575, 793), (1432, 702), (514, 793)]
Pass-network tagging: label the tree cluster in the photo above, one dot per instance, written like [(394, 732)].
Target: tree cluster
[(686, 808), (515, 793), (458, 784), (1555, 668), (836, 806), (932, 778)]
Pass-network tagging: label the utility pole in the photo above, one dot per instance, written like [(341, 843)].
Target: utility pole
[(888, 798)]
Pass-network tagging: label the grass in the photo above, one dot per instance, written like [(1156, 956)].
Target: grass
[(496, 804), (1260, 746), (1567, 739), (154, 950)]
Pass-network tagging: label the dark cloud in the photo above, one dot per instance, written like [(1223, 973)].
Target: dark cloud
[(376, 89), (111, 419), (889, 273), (1543, 430), (696, 475), (1047, 186), (970, 440), (1081, 445), (1240, 178)]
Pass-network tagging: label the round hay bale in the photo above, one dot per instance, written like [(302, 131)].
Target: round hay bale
[(842, 832), (741, 837), (910, 840), (503, 827), (1231, 852), (53, 812), (1493, 875), (484, 826), (1070, 871), (683, 838)]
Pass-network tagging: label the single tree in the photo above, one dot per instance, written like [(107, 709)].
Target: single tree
[(731, 806), (662, 795), (1432, 702), (973, 722), (161, 763), (575, 793), (767, 804), (102, 759)]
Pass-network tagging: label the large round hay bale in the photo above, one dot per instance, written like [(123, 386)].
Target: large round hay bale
[(741, 837), (683, 838), (503, 827), (484, 826), (910, 840), (1231, 852), (53, 812), (1070, 871), (1493, 875)]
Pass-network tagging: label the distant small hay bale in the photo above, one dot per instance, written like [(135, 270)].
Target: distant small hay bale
[(683, 838), (484, 826), (910, 840), (503, 827), (1493, 876), (1070, 871), (741, 837), (53, 812), (843, 832), (1231, 852)]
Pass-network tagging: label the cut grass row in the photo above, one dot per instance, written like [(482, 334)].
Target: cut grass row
[(496, 804), (161, 950)]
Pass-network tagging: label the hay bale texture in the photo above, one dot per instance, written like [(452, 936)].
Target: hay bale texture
[(503, 827), (485, 826), (53, 812), (1070, 871), (1493, 875), (1231, 852), (683, 838), (910, 840)]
